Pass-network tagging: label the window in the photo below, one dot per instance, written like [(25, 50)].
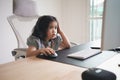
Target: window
[(96, 12)]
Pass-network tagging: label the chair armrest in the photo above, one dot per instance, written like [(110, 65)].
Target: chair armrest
[(19, 53), (73, 44)]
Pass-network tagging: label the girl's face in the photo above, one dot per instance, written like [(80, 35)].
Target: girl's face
[(52, 30)]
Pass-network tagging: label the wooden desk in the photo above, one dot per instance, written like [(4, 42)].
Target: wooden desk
[(33, 68)]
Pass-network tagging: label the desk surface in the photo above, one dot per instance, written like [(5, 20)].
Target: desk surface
[(33, 68), (91, 62), (112, 65)]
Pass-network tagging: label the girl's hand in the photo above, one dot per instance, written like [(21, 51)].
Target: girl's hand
[(47, 51), (31, 51), (58, 29), (65, 42)]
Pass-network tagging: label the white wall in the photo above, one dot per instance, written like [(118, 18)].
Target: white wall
[(50, 7), (75, 18), (71, 14), (7, 37)]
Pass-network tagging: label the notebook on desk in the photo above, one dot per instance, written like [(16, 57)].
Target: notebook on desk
[(84, 54)]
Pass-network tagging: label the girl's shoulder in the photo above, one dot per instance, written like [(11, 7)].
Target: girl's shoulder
[(33, 37), (33, 41)]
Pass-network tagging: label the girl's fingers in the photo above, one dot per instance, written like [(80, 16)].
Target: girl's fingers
[(47, 51), (51, 50)]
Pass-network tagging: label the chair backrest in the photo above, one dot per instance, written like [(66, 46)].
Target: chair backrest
[(22, 27)]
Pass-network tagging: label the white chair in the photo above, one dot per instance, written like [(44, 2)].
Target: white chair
[(22, 27), (24, 19)]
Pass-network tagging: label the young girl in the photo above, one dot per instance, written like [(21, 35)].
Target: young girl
[(47, 37)]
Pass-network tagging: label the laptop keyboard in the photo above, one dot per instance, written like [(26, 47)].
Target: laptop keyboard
[(86, 53)]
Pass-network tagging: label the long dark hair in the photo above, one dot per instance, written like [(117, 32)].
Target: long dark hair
[(41, 27)]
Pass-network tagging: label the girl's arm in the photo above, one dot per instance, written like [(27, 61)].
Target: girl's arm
[(33, 51), (65, 43)]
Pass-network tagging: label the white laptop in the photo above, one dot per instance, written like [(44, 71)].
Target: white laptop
[(84, 54)]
